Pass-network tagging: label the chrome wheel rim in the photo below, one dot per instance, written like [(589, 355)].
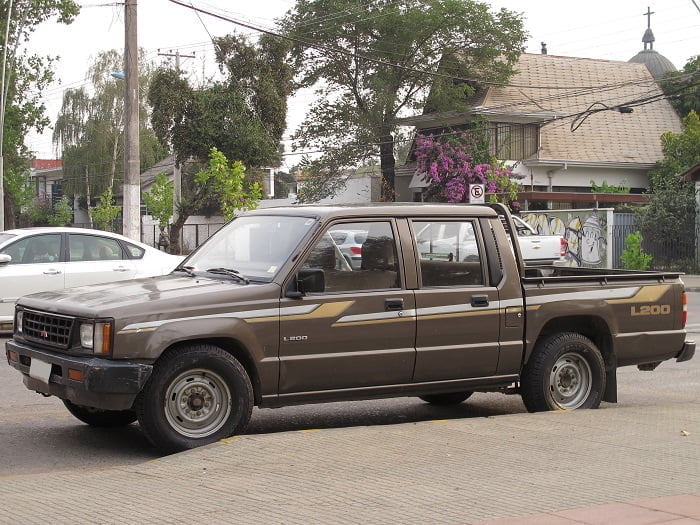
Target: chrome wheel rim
[(197, 403), (570, 381)]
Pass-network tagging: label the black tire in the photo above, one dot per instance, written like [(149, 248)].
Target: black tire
[(565, 372), (196, 395), (452, 398), (101, 418)]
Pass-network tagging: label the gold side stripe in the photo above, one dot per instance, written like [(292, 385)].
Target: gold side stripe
[(647, 294), (324, 311)]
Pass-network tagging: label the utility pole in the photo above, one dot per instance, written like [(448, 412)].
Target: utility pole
[(132, 166), (4, 89), (177, 169)]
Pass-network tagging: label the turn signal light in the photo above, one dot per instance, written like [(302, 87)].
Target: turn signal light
[(75, 375), (13, 356)]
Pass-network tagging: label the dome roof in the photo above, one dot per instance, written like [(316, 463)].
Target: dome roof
[(655, 62)]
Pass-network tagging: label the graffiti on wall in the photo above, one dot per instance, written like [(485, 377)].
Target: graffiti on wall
[(584, 230)]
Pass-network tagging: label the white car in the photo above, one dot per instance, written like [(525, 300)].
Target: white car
[(42, 259), (539, 249)]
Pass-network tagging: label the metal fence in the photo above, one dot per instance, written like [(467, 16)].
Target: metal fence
[(666, 255)]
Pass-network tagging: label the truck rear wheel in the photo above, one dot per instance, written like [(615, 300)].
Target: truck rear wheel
[(101, 418), (565, 372), (196, 395), (453, 398)]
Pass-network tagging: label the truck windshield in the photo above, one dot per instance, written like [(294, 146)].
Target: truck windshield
[(255, 246)]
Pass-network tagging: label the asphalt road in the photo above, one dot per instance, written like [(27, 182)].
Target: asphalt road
[(39, 435)]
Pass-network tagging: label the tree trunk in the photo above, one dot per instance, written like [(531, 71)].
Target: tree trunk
[(87, 196), (175, 233), (9, 211), (113, 167), (388, 166)]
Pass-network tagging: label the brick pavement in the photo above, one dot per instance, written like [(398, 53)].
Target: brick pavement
[(612, 465)]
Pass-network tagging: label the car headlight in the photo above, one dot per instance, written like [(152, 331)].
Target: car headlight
[(96, 336), (19, 317)]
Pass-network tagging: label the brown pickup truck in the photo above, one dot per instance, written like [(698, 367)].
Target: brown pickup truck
[(271, 312)]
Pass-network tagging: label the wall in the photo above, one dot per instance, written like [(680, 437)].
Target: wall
[(588, 232), (580, 177)]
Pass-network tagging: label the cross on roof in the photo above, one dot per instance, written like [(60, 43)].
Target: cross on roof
[(648, 15)]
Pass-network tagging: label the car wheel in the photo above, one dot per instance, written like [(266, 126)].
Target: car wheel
[(565, 372), (452, 398), (101, 418), (196, 395)]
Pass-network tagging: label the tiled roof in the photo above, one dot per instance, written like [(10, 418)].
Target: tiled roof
[(568, 85)]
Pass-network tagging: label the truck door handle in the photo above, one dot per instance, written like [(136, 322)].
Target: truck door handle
[(392, 305), (120, 269), (52, 271), (480, 300)]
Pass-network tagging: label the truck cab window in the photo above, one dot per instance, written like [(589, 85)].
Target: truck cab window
[(356, 256), (449, 253)]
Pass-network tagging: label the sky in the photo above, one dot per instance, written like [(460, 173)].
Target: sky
[(601, 29)]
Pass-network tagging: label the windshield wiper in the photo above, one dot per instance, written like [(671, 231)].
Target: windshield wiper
[(231, 273), (189, 270)]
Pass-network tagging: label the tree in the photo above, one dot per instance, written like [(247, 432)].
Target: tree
[(26, 77), (242, 116), (160, 199), (62, 213), (372, 61), (670, 215), (684, 87), (450, 163), (227, 181), (633, 256), (90, 129), (105, 212)]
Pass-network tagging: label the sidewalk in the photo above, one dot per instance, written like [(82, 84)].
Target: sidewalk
[(612, 465), (692, 283)]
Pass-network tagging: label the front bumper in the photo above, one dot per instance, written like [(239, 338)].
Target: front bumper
[(687, 352), (105, 384)]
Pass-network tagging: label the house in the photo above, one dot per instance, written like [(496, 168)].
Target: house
[(564, 122), (47, 178)]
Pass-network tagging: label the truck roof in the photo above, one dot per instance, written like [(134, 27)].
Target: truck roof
[(379, 210)]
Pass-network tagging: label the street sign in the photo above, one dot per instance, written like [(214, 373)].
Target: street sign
[(476, 193)]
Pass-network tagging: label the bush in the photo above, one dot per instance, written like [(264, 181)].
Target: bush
[(633, 256)]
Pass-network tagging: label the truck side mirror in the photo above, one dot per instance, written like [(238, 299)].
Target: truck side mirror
[(4, 258), (308, 280)]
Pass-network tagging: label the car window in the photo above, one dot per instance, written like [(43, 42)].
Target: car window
[(136, 252), (93, 248), (339, 236), (44, 248), (334, 267), (448, 253)]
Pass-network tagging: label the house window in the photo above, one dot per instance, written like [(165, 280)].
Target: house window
[(512, 141)]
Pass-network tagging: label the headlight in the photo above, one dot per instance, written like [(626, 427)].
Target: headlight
[(19, 317), (96, 336)]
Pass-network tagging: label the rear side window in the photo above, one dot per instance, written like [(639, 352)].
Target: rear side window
[(448, 253), (135, 252), (93, 248)]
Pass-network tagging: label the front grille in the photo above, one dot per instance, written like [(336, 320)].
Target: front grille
[(49, 329)]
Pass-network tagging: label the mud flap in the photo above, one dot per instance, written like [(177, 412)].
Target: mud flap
[(610, 393)]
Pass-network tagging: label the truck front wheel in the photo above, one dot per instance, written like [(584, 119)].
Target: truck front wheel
[(196, 395), (565, 372)]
